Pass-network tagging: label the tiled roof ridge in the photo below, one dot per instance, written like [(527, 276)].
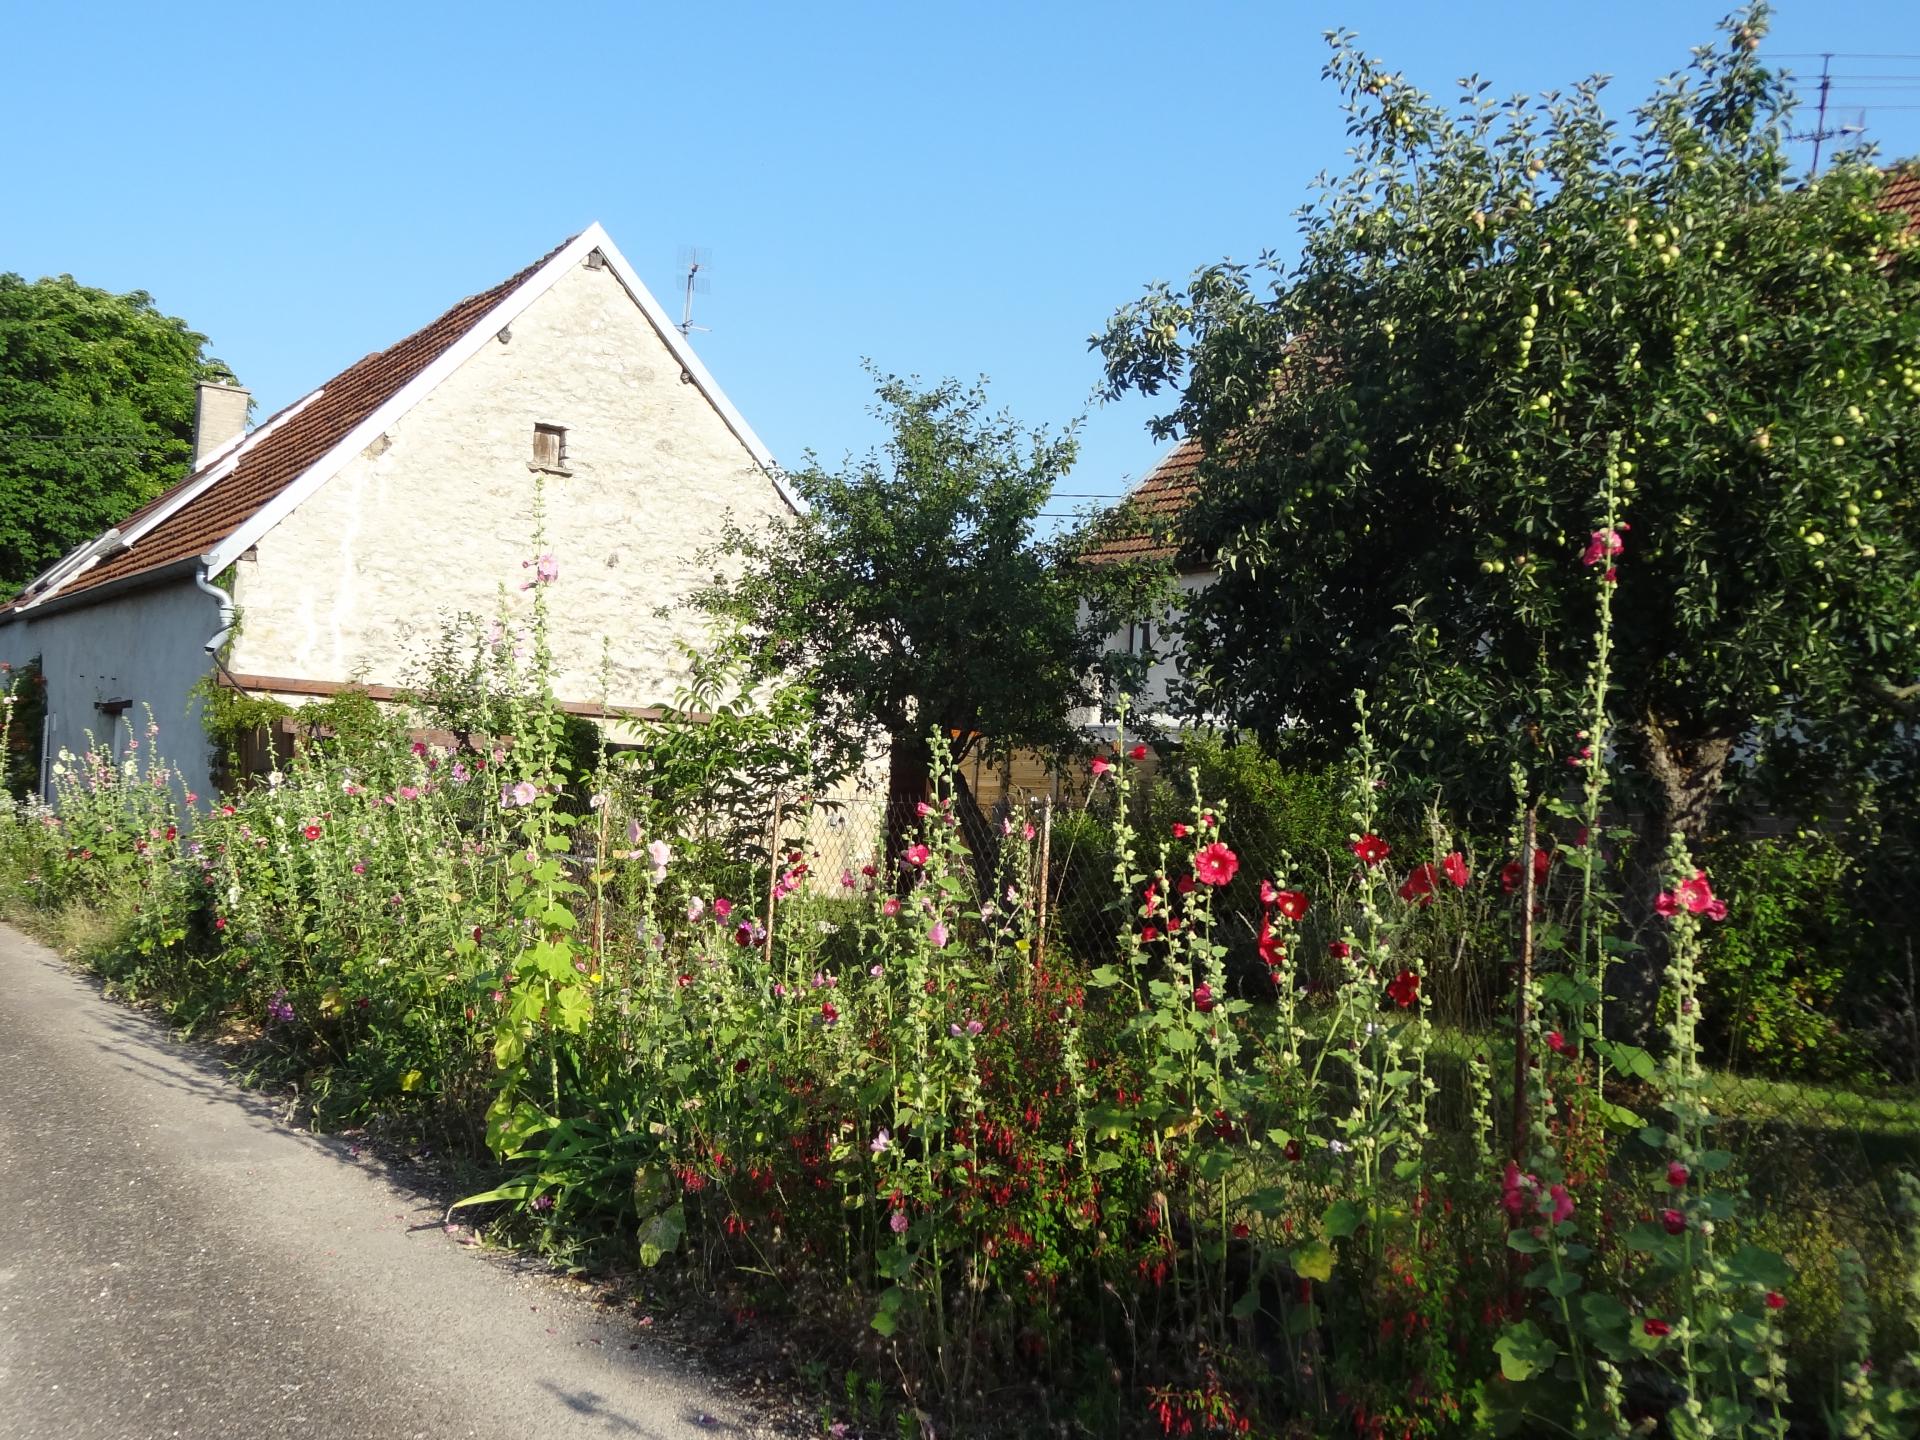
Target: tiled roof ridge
[(285, 445)]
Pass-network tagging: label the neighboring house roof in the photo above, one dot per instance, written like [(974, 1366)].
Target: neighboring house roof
[(1170, 487), (1158, 503), (224, 507)]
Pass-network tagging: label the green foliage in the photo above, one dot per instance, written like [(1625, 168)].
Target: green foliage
[(1407, 430), (917, 594), (96, 413), (1799, 971)]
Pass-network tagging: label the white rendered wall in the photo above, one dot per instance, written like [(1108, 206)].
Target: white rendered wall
[(147, 646), (436, 516)]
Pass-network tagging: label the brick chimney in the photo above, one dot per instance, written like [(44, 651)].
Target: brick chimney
[(219, 415)]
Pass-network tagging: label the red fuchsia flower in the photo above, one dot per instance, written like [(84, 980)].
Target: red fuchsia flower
[(917, 856), (1556, 1042), (1339, 949), (1215, 865), (1775, 1300), (1180, 832), (1678, 1175), (312, 832), (1673, 1222), (1562, 1203), (1404, 989), (1138, 752), (1603, 545), (890, 906), (1100, 766), (1655, 1327), (1203, 998), (1370, 849), (1419, 886), (1455, 869)]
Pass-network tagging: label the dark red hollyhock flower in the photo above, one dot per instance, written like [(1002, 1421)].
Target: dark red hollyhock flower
[(1149, 935), (1339, 949), (1404, 989), (1184, 885), (1510, 872), (1419, 886), (1293, 1150), (1455, 866), (1370, 849), (1656, 1328), (1775, 1300), (1203, 998), (1673, 1222), (1556, 1042)]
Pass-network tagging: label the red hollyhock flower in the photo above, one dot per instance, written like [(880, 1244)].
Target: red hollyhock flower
[(1775, 1300), (1184, 885), (828, 1013), (1215, 865), (1510, 872), (1138, 752), (312, 832), (1293, 1150), (1272, 952), (1180, 831), (1149, 935), (1152, 897), (1673, 1222), (1291, 903), (1203, 998), (1656, 1328), (1100, 766), (1556, 1042), (1404, 989), (1339, 949), (1455, 866), (1419, 886), (1677, 1175), (1371, 849)]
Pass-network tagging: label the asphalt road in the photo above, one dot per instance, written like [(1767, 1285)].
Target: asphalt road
[(176, 1263)]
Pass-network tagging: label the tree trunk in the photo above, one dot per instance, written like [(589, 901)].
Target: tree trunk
[(1687, 763), (909, 759)]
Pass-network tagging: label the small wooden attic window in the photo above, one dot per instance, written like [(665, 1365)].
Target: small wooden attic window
[(550, 450)]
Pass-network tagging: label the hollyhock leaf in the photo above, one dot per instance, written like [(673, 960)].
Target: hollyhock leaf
[(1755, 1266), (1247, 1306), (1524, 1351), (1653, 1135), (1646, 1238), (1341, 1219), (1715, 1160), (1567, 1282), (1313, 1261), (1523, 1241), (1268, 1202), (1104, 976)]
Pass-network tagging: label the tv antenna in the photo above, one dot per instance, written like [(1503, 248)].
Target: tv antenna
[(697, 262), (1820, 133)]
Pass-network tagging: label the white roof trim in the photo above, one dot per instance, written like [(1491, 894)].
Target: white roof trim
[(458, 353)]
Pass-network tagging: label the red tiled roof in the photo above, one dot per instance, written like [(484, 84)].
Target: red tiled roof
[(1158, 502), (273, 461), (1903, 193)]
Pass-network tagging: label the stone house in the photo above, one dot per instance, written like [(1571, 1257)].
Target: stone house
[(321, 548)]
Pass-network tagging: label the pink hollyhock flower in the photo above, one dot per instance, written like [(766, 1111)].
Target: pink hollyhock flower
[(1603, 544), (1517, 1191), (1215, 865), (1666, 904), (1370, 849), (696, 907), (890, 906), (722, 907), (847, 882), (922, 809), (917, 855), (974, 1027), (1455, 867), (1419, 886), (546, 569), (1100, 766), (1673, 1222), (1562, 1203), (882, 1142), (659, 853), (1203, 998), (937, 936)]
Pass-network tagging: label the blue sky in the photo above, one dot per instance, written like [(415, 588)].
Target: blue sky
[(959, 190)]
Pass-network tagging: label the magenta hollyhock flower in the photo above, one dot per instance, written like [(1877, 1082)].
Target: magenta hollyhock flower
[(1215, 865), (1562, 1203), (1602, 545), (847, 882), (1203, 998), (722, 907), (917, 856), (890, 907)]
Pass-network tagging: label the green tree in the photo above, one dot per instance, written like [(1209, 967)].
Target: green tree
[(1502, 312), (918, 594), (96, 413)]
